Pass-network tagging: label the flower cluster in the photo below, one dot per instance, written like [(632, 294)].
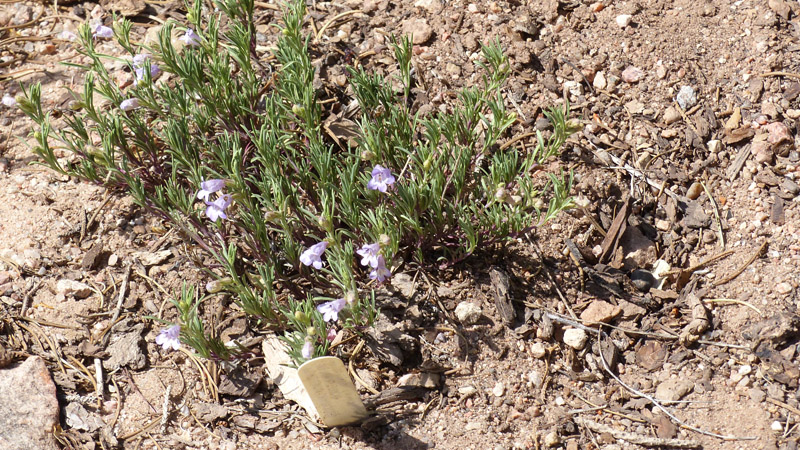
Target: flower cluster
[(216, 209)]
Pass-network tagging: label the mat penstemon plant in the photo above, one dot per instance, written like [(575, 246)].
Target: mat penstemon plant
[(229, 148)]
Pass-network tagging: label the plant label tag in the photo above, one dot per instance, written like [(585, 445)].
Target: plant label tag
[(332, 391)]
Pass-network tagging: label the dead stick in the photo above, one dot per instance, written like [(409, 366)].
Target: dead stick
[(781, 74), (720, 233), (744, 266), (790, 408), (638, 439)]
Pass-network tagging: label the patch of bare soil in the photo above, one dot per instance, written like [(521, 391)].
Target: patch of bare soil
[(688, 154)]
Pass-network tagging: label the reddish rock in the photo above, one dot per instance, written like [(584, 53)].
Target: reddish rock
[(30, 407)]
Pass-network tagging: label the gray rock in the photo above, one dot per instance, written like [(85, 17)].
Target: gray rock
[(696, 217), (126, 350), (239, 383), (209, 412), (79, 418), (674, 389), (29, 407), (642, 279), (686, 97)]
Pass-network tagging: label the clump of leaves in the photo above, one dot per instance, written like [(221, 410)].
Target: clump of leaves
[(228, 145)]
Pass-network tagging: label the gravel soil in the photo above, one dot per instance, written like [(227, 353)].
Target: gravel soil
[(687, 154)]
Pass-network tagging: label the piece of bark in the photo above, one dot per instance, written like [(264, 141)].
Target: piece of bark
[(611, 241), (502, 299)]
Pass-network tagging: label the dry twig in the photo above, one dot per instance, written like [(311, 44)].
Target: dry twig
[(744, 266)]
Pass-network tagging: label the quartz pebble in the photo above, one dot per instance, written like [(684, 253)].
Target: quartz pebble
[(632, 74), (575, 338), (468, 313), (623, 20), (686, 97)]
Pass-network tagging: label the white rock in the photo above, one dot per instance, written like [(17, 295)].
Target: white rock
[(575, 338), (623, 20), (499, 389), (714, 145), (574, 88), (552, 439), (467, 391), (74, 288), (776, 426), (599, 81), (468, 313), (538, 350)]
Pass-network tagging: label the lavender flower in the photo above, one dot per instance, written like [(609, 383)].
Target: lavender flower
[(129, 104), (139, 62), (312, 256), (191, 38), (330, 310), (170, 338), (216, 209), (369, 254), (380, 272), (102, 31), (9, 101), (331, 334), (208, 187), (382, 178), (308, 350)]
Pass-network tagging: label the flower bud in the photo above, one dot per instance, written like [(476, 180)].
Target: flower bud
[(300, 316), (514, 200), (367, 155), (37, 135), (324, 222), (272, 216), (214, 286), (190, 17), (311, 331), (500, 194), (426, 165), (351, 297), (384, 240), (298, 110)]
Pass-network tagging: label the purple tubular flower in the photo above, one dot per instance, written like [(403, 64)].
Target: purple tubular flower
[(191, 38), (330, 310), (170, 338), (380, 272), (369, 254), (382, 178), (312, 256), (216, 209), (331, 334), (209, 187), (129, 104), (308, 350), (102, 31)]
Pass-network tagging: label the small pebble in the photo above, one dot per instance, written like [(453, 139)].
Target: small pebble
[(499, 389), (694, 190), (776, 426), (671, 115), (623, 20), (575, 338), (686, 97), (632, 74), (783, 288)]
